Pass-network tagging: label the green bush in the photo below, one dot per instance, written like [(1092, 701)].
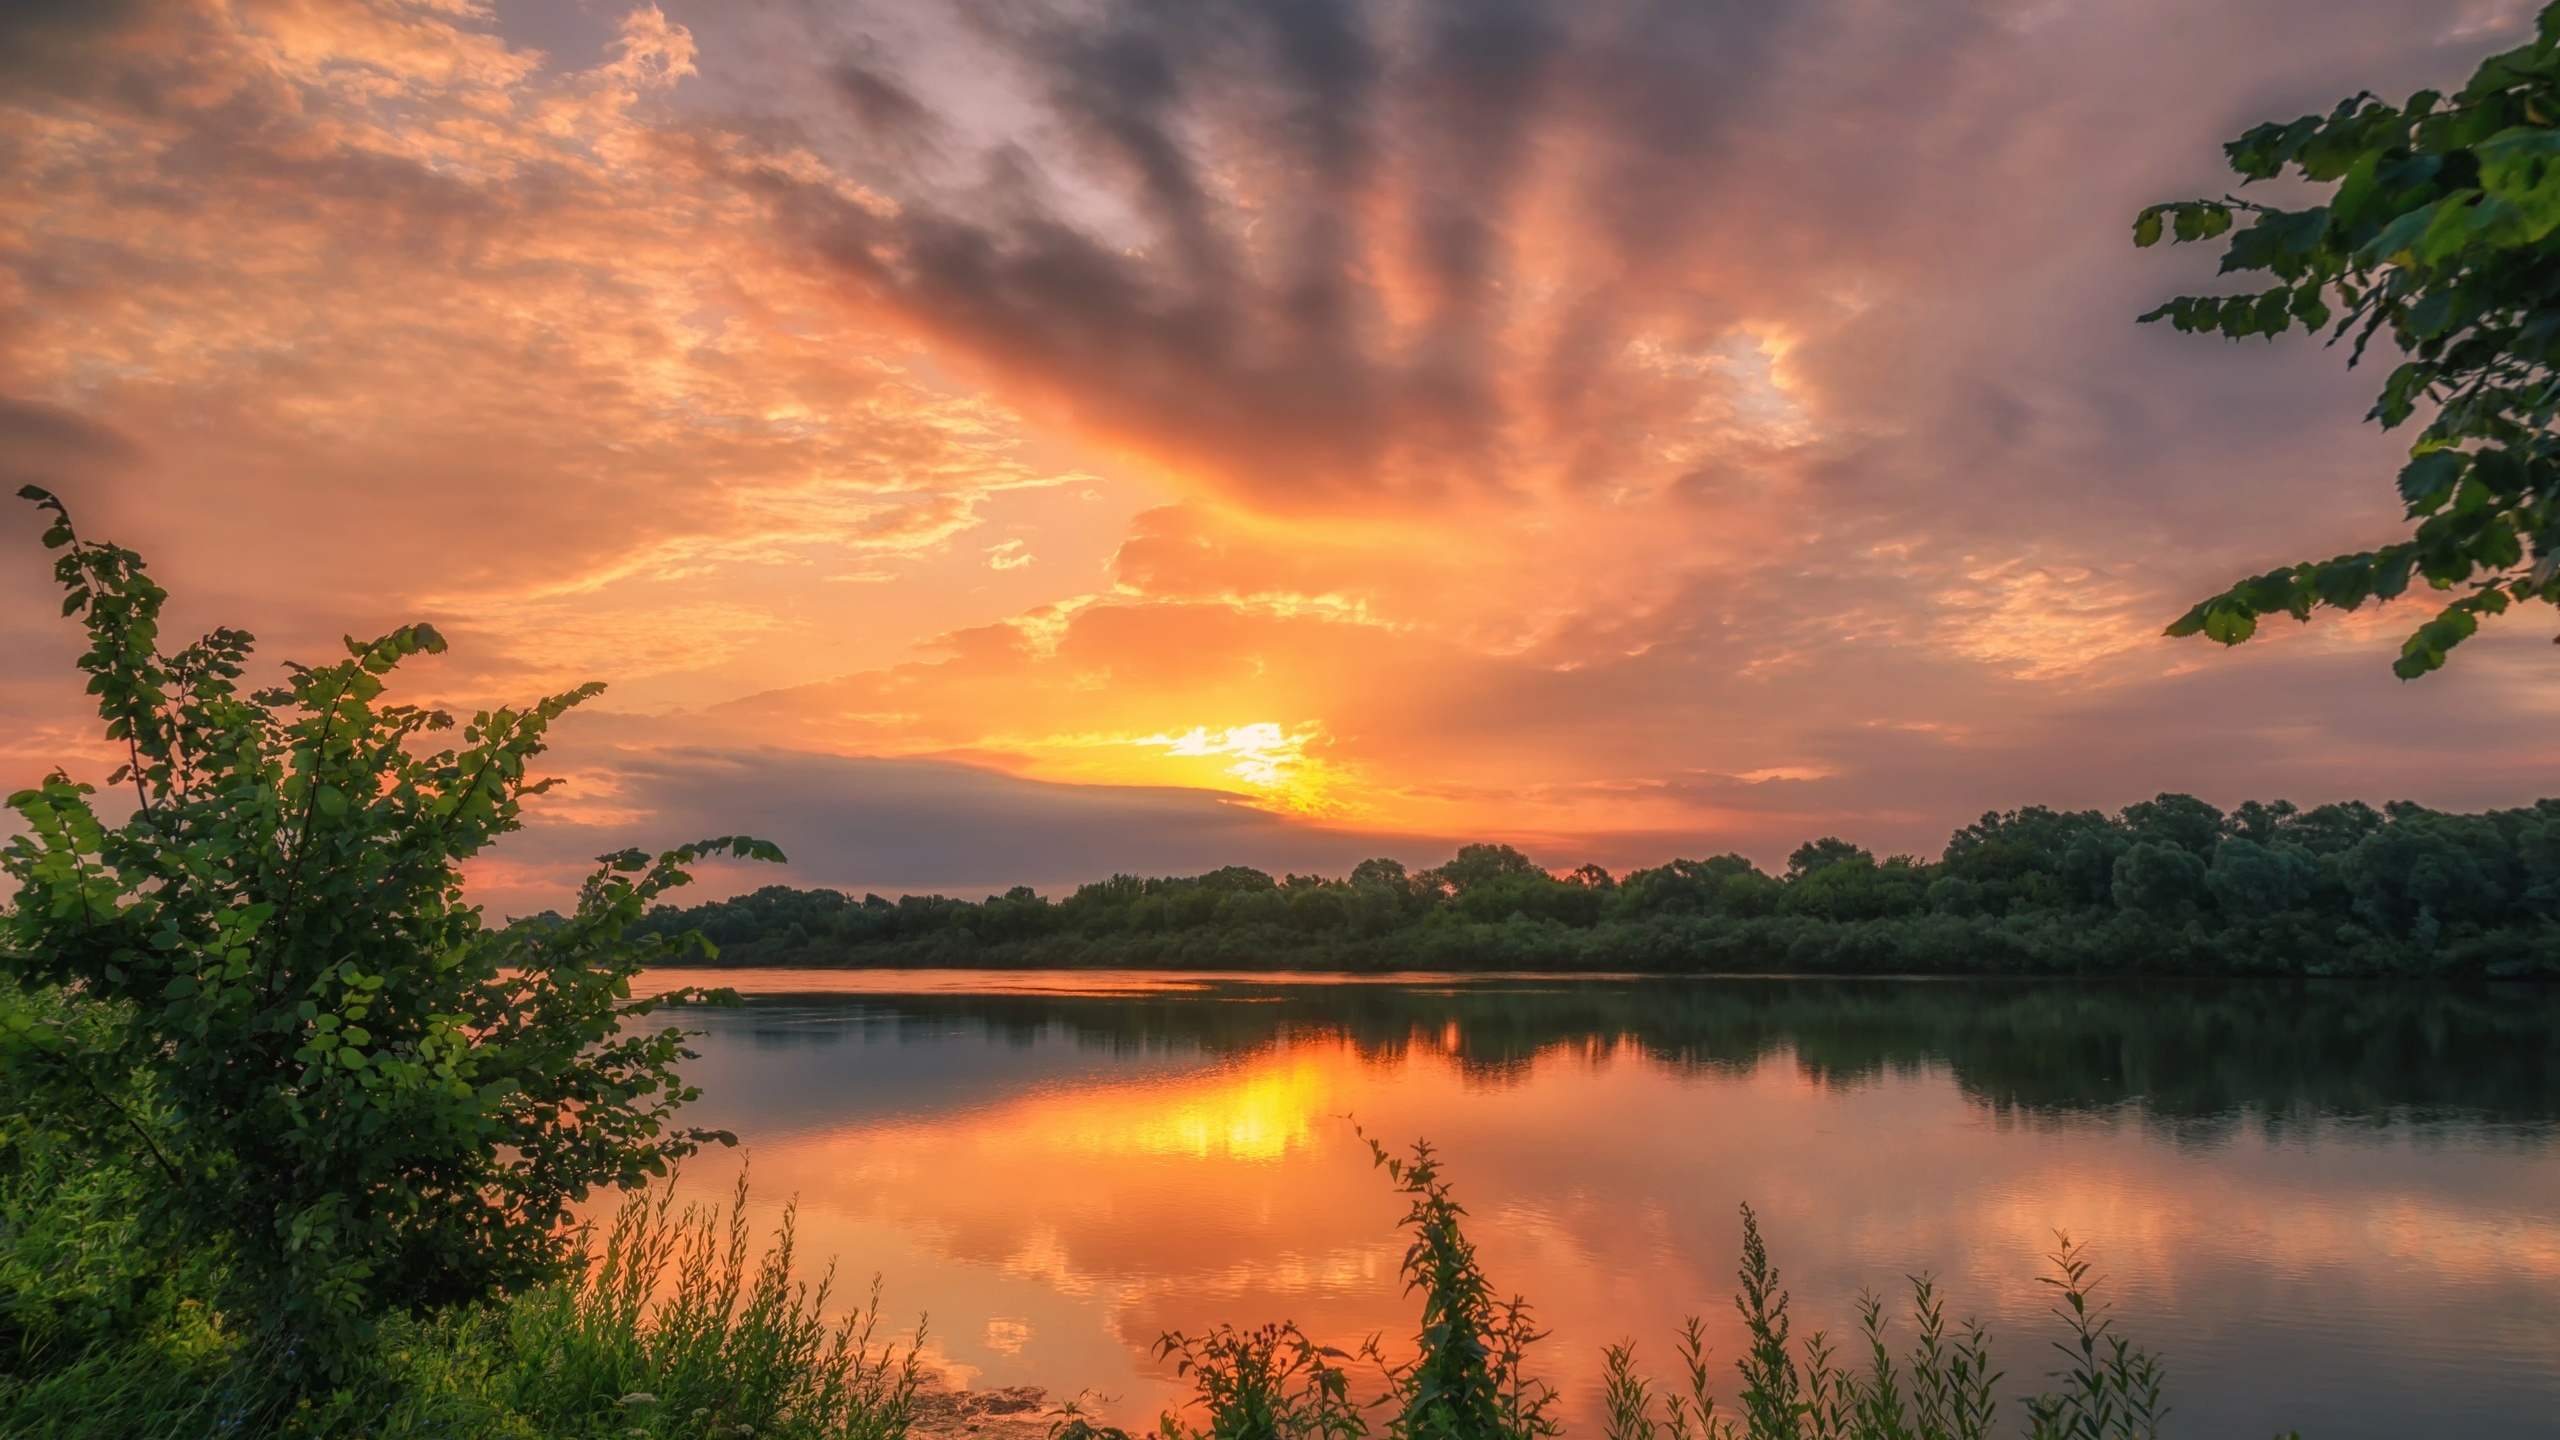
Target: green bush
[(665, 1330), (356, 1096)]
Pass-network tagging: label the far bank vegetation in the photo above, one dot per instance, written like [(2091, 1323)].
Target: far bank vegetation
[(2170, 885)]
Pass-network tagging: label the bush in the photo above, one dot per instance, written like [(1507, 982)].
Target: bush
[(664, 1332), (361, 1100)]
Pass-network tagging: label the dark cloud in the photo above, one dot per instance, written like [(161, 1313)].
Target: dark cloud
[(886, 108), (1316, 251), (40, 440), (1326, 201), (48, 44), (930, 826)]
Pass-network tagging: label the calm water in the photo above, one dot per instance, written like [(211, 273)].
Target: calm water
[(2332, 1208)]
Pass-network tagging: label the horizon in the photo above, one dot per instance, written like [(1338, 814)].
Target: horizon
[(1272, 436)]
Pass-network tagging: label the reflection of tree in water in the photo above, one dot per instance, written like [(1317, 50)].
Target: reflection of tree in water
[(2195, 1056)]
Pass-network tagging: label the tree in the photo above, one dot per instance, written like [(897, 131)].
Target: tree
[(1484, 864), (360, 1096), (1815, 856), (2437, 231)]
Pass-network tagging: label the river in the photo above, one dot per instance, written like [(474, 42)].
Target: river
[(2328, 1207)]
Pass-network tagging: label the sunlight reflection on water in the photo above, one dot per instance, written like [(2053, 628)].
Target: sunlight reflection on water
[(1061, 1166)]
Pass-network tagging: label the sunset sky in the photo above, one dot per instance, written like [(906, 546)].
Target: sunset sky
[(996, 441)]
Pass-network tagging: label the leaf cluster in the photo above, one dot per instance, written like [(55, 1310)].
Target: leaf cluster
[(2438, 234)]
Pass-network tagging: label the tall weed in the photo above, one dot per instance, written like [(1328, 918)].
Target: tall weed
[(1468, 1379)]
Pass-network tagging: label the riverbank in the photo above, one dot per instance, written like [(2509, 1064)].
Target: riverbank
[(2083, 944)]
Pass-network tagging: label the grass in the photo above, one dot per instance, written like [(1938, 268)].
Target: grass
[(672, 1330)]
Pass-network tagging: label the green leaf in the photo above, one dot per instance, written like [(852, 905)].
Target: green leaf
[(2427, 318), (2396, 238), (2308, 308), (2426, 481)]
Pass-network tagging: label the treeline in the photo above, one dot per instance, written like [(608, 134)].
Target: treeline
[(2169, 885)]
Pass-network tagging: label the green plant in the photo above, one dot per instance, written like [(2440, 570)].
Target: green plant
[(1267, 1384), (2436, 227), (1626, 1398), (671, 1328), (1951, 1379), (1689, 1412), (729, 1349), (1067, 1421), (1772, 1386), (2111, 1390), (1941, 1390), (1466, 1380), (1879, 1406), (363, 1100)]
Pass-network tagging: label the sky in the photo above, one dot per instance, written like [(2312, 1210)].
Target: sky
[(998, 441)]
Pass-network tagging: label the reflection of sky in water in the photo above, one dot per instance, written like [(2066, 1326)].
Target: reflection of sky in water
[(1057, 1193)]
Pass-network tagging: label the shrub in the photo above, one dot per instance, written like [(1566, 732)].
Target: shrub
[(664, 1332), (364, 1101)]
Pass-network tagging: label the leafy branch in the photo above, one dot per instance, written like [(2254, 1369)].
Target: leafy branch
[(2437, 232)]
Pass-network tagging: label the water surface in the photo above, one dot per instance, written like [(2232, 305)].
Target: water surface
[(2330, 1207)]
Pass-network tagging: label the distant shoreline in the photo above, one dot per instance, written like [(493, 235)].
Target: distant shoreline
[(1919, 947)]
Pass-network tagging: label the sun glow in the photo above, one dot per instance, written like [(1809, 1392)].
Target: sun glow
[(1271, 760), (1266, 757), (1269, 763)]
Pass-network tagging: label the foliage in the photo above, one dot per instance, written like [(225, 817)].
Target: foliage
[(1941, 1389), (1689, 1410), (1267, 1384), (2111, 1388), (361, 1099), (664, 1334), (2436, 228), (716, 1353), (1466, 1379), (2170, 884)]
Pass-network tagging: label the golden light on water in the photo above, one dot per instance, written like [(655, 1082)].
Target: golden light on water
[(1054, 1229), (1260, 1111)]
